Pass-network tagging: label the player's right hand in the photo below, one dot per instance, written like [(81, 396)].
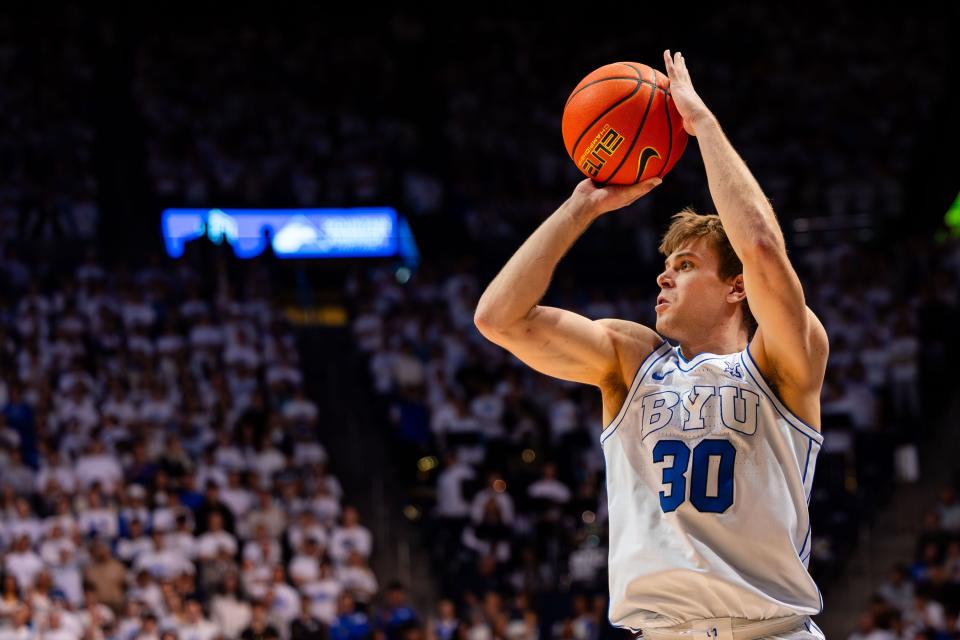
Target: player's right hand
[(599, 200)]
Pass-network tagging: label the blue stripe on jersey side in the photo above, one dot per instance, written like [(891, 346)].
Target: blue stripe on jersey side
[(806, 465), (813, 475), (637, 379), (784, 412), (806, 538)]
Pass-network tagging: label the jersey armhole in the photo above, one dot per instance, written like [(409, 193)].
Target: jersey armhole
[(754, 372), (652, 357)]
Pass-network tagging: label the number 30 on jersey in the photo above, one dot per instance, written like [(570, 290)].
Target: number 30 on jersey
[(711, 484)]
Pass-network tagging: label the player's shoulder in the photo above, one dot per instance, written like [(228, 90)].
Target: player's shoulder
[(633, 342)]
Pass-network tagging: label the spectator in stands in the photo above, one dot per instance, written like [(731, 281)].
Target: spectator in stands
[(349, 537), (924, 613), (395, 613), (197, 626), (106, 576), (229, 610), (949, 510), (898, 589), (350, 624), (443, 625), (212, 503), (284, 600), (324, 593), (357, 577), (305, 626), (496, 491), (259, 628)]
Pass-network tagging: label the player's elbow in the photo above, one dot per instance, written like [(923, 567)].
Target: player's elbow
[(488, 324), (488, 321), (483, 319), (766, 244)]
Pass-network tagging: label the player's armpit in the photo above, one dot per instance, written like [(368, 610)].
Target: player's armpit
[(561, 344)]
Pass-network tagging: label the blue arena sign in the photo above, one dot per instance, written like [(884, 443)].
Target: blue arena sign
[(363, 232)]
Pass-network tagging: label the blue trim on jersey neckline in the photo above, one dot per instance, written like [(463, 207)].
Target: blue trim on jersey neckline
[(698, 359)]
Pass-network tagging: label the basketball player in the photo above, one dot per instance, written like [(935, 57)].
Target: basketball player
[(710, 445)]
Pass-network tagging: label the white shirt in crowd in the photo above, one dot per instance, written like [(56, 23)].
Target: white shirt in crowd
[(102, 467), (323, 594), (345, 540), (210, 543), (451, 502), (552, 489), (360, 580), (230, 614), (102, 522), (202, 629), (24, 566)]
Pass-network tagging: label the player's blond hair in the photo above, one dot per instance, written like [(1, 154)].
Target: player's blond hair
[(688, 225)]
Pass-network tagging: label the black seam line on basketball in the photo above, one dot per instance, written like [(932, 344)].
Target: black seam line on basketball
[(633, 143), (666, 108), (622, 64), (640, 73), (590, 84), (597, 119), (654, 83)]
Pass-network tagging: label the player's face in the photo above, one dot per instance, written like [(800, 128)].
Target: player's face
[(692, 296)]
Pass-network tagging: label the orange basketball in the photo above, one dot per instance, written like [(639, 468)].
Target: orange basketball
[(620, 125)]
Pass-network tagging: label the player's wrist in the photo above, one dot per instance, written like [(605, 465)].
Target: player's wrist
[(702, 120), (583, 208)]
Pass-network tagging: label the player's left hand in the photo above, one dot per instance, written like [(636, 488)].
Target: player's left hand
[(692, 109)]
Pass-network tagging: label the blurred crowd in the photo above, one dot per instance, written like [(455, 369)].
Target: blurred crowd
[(921, 599), (160, 470), (47, 129), (804, 130)]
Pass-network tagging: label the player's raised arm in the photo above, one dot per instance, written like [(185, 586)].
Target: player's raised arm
[(554, 341), (791, 336)]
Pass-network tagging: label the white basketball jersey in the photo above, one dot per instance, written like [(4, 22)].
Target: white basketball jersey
[(708, 482)]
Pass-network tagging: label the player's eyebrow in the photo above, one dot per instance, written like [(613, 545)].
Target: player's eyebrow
[(680, 255)]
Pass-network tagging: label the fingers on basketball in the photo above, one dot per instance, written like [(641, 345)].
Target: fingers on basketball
[(642, 188)]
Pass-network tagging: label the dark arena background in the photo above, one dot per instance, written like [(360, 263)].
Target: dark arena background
[(232, 410)]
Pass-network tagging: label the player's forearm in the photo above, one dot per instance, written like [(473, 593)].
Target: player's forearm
[(747, 216), (523, 281)]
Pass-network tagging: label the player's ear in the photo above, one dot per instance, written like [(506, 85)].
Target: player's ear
[(737, 292)]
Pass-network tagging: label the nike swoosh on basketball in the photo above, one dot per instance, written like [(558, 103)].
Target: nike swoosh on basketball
[(645, 157), (661, 376)]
